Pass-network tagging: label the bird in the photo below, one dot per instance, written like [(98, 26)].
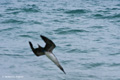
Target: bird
[(47, 50)]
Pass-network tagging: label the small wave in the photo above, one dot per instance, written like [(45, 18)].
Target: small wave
[(14, 11), (34, 22), (67, 61), (116, 16), (110, 9), (25, 36), (77, 50), (1, 15), (33, 32), (76, 30), (26, 8), (114, 54), (77, 11), (100, 16), (70, 31), (93, 65), (118, 5), (59, 9), (30, 8), (13, 21), (97, 27), (114, 64), (73, 50), (7, 29), (14, 55)]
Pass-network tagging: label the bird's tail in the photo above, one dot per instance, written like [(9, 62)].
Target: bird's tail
[(61, 68)]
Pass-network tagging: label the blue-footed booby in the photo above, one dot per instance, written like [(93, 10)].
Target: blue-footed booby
[(47, 50)]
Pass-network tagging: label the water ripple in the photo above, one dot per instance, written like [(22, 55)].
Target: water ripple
[(12, 10), (114, 64), (13, 55), (93, 65), (13, 21), (77, 50), (77, 11), (69, 31), (101, 16), (8, 29), (97, 27), (31, 8), (25, 36), (26, 8), (16, 21), (114, 54)]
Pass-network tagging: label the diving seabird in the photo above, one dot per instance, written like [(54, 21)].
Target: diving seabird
[(47, 50)]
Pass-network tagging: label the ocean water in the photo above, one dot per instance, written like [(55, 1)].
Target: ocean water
[(86, 33)]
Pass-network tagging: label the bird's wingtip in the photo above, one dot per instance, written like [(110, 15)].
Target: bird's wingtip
[(29, 42), (41, 36)]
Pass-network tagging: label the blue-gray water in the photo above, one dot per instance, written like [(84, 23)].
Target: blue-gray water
[(86, 33)]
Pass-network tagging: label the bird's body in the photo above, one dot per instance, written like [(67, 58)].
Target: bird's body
[(52, 57), (47, 50)]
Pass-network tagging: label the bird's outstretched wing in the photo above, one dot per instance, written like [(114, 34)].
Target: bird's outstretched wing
[(49, 44), (37, 51)]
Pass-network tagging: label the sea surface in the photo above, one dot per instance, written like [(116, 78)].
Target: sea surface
[(86, 34)]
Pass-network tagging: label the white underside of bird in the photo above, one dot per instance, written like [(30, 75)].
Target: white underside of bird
[(52, 57)]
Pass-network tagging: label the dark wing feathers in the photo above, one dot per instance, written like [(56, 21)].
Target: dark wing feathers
[(40, 51), (49, 44), (31, 46), (36, 51)]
